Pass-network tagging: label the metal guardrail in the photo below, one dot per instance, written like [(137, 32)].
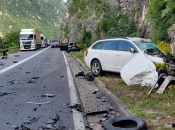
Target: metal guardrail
[(11, 48)]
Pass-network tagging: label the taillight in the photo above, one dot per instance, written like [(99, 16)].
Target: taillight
[(86, 53), (69, 46)]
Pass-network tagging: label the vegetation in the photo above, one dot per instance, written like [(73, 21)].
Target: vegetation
[(117, 24), (162, 16), (41, 15)]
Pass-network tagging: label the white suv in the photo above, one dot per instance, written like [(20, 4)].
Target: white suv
[(113, 53)]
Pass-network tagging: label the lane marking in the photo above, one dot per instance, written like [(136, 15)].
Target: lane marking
[(16, 64), (77, 116)]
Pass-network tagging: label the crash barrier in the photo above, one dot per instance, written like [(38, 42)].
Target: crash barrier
[(125, 123), (11, 48)]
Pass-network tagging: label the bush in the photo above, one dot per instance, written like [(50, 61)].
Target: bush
[(164, 47), (12, 38), (86, 38), (162, 15), (117, 24)]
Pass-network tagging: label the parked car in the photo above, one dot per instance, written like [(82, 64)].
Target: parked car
[(113, 53), (55, 42), (73, 46)]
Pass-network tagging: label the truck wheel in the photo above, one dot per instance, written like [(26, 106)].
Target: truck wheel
[(35, 47), (125, 123)]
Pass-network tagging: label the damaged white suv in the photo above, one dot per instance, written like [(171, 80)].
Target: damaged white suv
[(113, 53)]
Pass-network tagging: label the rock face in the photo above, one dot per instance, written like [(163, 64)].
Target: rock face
[(75, 25)]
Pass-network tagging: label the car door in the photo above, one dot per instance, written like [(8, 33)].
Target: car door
[(123, 54), (107, 56)]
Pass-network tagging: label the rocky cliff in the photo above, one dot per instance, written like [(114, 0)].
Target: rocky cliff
[(136, 7)]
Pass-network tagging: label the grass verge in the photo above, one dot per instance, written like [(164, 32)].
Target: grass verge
[(12, 51)]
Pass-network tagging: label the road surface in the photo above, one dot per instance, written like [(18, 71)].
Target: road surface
[(20, 94)]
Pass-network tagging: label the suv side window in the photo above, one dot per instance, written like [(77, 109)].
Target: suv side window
[(111, 45), (125, 46), (98, 45)]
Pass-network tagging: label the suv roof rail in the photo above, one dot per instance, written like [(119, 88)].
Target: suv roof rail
[(114, 37)]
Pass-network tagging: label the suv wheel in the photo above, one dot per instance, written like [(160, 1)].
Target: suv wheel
[(96, 68)]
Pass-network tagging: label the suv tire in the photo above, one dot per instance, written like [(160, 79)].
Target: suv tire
[(96, 68)]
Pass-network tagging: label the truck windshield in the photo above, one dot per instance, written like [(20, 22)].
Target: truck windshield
[(41, 38), (26, 37), (54, 40)]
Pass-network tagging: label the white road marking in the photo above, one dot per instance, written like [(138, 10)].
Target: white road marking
[(16, 64), (77, 116)]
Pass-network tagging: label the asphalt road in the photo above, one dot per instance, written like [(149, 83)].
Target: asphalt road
[(49, 68)]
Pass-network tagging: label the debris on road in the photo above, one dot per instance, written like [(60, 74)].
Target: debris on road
[(27, 72), (33, 120), (32, 81), (47, 97), (22, 127), (62, 76), (35, 78), (88, 76), (139, 73), (15, 61), (95, 91), (77, 106), (17, 55), (6, 93), (80, 74), (97, 112), (2, 63)]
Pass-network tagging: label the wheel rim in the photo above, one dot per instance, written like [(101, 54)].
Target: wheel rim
[(95, 68)]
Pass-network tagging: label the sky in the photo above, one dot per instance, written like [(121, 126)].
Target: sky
[(65, 1)]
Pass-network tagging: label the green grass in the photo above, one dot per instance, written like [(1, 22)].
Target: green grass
[(79, 55)]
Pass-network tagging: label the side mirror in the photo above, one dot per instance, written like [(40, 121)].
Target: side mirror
[(132, 50)]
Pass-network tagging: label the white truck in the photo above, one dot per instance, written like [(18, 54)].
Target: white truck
[(44, 41), (30, 39)]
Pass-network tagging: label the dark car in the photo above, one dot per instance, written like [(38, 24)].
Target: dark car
[(73, 46)]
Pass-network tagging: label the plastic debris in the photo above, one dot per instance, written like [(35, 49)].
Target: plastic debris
[(2, 63), (77, 106)]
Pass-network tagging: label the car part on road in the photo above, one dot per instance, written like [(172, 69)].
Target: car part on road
[(15, 61), (33, 120), (77, 106), (80, 74), (27, 72), (97, 112), (6, 93), (35, 78), (32, 81), (47, 95), (2, 63), (17, 55), (125, 123), (88, 76), (50, 100), (96, 68)]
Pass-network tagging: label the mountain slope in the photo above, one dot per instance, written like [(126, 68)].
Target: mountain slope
[(43, 15)]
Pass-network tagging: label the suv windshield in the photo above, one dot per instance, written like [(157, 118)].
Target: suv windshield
[(149, 48), (26, 37)]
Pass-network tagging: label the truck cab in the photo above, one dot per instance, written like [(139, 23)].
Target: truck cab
[(29, 39)]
